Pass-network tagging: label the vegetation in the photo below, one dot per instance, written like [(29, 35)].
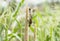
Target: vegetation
[(45, 23)]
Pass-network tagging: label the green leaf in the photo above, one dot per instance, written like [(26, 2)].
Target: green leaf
[(18, 7)]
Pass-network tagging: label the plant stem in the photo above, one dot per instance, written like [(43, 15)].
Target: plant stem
[(35, 31), (6, 31), (26, 27), (18, 7)]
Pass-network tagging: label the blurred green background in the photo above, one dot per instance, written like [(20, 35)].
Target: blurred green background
[(46, 16)]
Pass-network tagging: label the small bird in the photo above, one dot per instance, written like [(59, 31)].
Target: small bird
[(30, 21), (30, 17)]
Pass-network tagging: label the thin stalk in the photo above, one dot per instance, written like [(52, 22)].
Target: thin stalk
[(35, 32), (20, 28), (18, 7), (21, 33), (6, 31), (0, 37), (26, 26)]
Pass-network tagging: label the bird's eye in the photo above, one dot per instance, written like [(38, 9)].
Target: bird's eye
[(29, 10)]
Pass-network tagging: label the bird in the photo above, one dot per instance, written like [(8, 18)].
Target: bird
[(30, 17)]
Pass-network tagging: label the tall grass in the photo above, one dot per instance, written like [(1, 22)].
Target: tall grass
[(45, 25)]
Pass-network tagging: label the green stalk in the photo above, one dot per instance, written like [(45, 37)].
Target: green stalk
[(6, 31), (6, 35), (0, 37), (18, 7)]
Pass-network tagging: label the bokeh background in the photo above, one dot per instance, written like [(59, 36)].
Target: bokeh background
[(45, 20)]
